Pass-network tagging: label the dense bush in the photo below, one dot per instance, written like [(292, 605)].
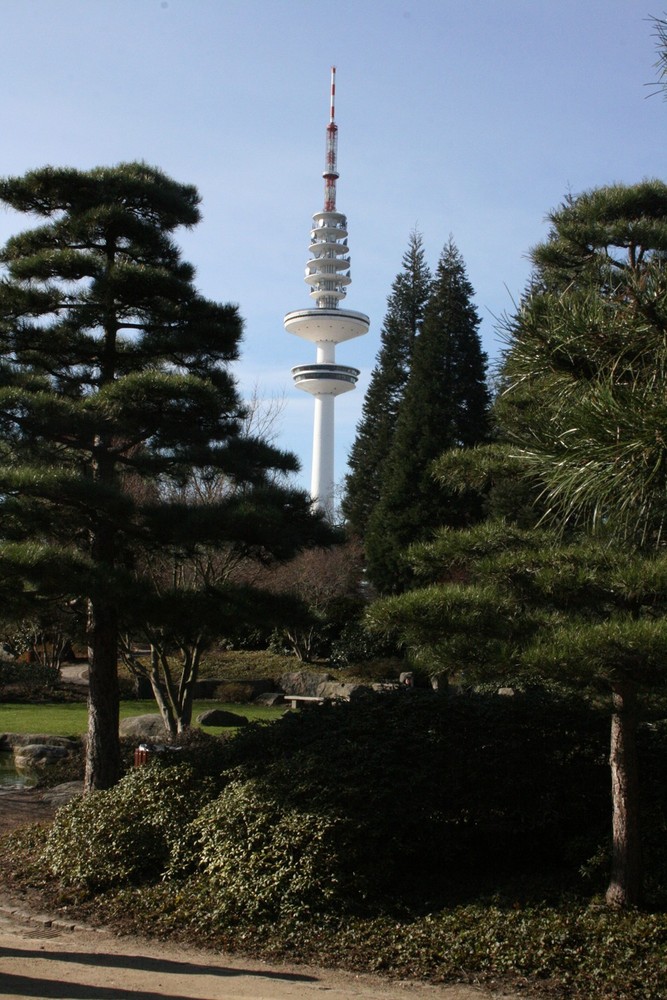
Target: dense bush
[(573, 951), (413, 834), (404, 801), (126, 833), (260, 858), (25, 681), (446, 795), (355, 644)]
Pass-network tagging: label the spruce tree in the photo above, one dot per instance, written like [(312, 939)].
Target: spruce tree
[(402, 324), (445, 405), (114, 371)]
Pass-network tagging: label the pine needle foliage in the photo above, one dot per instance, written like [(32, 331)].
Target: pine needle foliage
[(586, 364)]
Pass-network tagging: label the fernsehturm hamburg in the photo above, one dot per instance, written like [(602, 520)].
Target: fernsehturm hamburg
[(325, 325)]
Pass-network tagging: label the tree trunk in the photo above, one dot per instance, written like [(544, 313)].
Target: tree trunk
[(161, 698), (103, 766), (625, 882), (186, 694)]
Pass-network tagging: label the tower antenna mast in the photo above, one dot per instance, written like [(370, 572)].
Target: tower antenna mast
[(330, 173)]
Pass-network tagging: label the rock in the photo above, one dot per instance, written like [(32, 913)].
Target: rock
[(270, 698), (218, 717), (343, 692), (8, 741), (59, 795), (303, 682), (38, 755), (143, 727)]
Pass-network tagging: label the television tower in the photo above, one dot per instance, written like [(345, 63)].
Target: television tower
[(328, 274)]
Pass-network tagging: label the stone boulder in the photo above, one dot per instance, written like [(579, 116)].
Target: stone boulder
[(143, 727), (61, 794), (304, 682), (337, 690), (32, 755), (8, 741), (218, 717), (271, 698), (320, 685)]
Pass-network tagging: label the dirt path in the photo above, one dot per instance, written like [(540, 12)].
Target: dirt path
[(45, 959)]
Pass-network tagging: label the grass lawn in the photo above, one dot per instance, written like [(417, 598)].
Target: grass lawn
[(71, 719)]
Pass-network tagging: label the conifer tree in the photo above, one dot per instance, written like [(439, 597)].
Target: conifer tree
[(583, 404), (113, 370), (402, 324), (445, 405)]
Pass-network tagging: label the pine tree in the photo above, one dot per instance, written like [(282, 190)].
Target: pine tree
[(402, 324), (588, 345), (583, 404), (445, 405), (113, 371)]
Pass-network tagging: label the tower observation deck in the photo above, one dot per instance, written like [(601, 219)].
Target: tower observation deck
[(325, 324)]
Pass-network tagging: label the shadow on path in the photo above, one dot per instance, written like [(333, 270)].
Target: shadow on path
[(145, 963), (53, 989)]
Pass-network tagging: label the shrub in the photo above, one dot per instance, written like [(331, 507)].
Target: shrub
[(234, 692), (28, 680), (127, 832), (356, 644), (263, 859), (207, 755), (436, 796)]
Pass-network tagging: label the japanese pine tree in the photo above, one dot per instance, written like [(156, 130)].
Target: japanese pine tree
[(581, 600), (445, 405), (588, 344), (114, 371), (402, 324)]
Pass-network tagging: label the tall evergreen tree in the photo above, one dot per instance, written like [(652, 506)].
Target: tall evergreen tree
[(445, 405), (113, 370), (402, 324), (583, 403)]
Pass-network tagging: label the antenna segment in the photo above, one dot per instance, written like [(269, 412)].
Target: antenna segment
[(330, 173)]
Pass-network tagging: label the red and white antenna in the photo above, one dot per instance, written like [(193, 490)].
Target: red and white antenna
[(330, 173)]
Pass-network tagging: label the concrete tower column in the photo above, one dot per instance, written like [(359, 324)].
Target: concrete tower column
[(322, 478)]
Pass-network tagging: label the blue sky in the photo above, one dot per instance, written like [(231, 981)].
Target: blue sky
[(455, 117)]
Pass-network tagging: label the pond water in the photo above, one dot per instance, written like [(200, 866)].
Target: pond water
[(10, 777)]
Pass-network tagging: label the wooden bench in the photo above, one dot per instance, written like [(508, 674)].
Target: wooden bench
[(298, 699)]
